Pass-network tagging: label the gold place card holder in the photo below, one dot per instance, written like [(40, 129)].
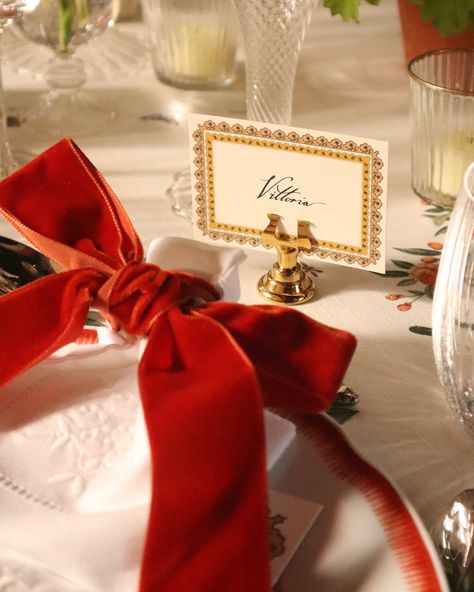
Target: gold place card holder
[(286, 282), (332, 189)]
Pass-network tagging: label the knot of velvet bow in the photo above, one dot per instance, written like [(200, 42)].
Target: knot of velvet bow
[(137, 293), (204, 377)]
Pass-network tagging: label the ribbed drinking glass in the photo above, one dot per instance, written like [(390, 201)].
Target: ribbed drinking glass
[(442, 114)]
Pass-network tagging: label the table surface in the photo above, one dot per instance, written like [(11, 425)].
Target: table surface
[(351, 80)]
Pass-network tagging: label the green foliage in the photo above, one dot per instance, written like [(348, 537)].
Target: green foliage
[(448, 16), (66, 16), (68, 11), (347, 9)]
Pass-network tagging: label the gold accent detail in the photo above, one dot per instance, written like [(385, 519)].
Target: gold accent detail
[(333, 148), (286, 282), (432, 85)]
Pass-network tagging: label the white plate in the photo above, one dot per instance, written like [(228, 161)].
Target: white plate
[(69, 464), (367, 538)]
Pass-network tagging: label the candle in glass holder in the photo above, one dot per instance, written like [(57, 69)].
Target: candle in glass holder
[(193, 43), (450, 161), (442, 114)]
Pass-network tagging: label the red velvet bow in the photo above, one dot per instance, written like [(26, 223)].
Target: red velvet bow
[(205, 375)]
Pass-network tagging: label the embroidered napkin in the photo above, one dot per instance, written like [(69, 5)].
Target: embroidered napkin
[(80, 465), (208, 369)]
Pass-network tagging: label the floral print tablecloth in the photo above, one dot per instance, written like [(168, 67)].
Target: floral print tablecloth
[(417, 268)]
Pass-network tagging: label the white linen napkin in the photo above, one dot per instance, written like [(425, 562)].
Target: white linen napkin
[(74, 476)]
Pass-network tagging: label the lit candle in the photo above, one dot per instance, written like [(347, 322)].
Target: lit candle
[(450, 160), (201, 50), (195, 50)]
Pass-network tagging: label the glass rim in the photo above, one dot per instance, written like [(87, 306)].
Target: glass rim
[(468, 180), (432, 85)]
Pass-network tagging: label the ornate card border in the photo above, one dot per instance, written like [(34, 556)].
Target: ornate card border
[(211, 131)]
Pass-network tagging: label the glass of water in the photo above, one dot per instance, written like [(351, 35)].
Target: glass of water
[(453, 307)]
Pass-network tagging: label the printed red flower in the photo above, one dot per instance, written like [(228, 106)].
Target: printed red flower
[(426, 274), (428, 259), (393, 296), (436, 246), (404, 307)]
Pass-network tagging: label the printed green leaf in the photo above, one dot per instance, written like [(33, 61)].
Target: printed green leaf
[(416, 292), (436, 210), (441, 231), (421, 252), (407, 282), (429, 291), (402, 264), (438, 220), (394, 273), (419, 330)]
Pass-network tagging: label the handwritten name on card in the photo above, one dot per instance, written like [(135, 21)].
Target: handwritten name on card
[(242, 171), (283, 190)]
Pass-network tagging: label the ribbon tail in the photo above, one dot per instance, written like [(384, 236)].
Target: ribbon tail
[(85, 225), (41, 317), (203, 409), (300, 363)]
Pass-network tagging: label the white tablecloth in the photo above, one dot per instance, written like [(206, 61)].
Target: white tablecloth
[(352, 80)]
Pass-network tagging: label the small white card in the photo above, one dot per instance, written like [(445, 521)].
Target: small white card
[(290, 519), (242, 171)]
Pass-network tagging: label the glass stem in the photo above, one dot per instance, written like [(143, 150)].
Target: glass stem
[(7, 164), (65, 73)]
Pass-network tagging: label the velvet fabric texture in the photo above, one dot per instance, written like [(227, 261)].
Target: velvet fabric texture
[(207, 371)]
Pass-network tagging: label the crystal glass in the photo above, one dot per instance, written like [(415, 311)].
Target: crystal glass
[(120, 52), (453, 307), (9, 10), (63, 25), (273, 31), (179, 194), (193, 42), (442, 115)]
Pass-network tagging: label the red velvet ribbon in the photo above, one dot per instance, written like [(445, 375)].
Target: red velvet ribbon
[(205, 375)]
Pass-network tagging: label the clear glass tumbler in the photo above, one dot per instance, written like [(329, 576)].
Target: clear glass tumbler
[(453, 307), (442, 116), (193, 42)]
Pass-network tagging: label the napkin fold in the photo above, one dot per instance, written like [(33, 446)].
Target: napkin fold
[(218, 265), (205, 374)]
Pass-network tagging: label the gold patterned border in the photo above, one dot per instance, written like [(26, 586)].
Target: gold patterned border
[(210, 131)]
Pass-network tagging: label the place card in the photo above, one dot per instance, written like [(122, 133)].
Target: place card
[(289, 521), (242, 171)]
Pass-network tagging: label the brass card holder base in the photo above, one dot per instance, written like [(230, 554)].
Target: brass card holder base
[(286, 282)]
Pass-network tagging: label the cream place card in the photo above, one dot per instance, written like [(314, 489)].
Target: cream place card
[(289, 521), (242, 171)]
